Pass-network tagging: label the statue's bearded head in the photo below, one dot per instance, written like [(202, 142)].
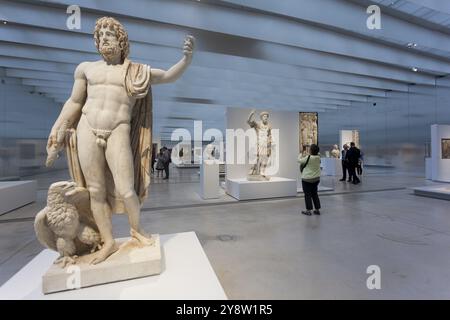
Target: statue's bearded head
[(111, 39), (264, 117)]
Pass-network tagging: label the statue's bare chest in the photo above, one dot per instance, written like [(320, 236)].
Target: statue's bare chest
[(263, 130), (106, 75)]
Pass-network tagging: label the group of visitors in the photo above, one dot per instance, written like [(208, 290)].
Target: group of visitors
[(162, 160), (352, 159), (310, 173)]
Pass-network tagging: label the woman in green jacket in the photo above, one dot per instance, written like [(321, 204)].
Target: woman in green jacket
[(310, 168)]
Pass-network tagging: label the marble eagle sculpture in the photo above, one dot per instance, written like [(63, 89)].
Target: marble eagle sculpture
[(63, 224)]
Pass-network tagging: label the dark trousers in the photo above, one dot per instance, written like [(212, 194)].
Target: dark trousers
[(311, 195), (344, 170), (352, 173), (166, 170)]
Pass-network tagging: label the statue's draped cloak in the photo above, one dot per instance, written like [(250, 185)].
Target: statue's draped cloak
[(137, 84)]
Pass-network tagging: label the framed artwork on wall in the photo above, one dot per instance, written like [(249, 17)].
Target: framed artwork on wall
[(445, 148), (309, 130)]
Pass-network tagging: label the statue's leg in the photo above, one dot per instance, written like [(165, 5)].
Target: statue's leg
[(92, 162), (258, 163), (264, 164), (120, 160)]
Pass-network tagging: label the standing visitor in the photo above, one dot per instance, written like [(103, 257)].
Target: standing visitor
[(359, 169), (352, 158), (344, 163), (153, 158), (167, 161), (310, 173), (159, 163)]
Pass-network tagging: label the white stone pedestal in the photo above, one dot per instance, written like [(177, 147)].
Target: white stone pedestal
[(428, 168), (276, 187), (187, 165), (438, 191), (209, 179), (331, 166), (129, 262), (15, 194), (440, 165), (187, 275)]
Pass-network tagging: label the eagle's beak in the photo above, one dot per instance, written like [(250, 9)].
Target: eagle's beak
[(70, 185)]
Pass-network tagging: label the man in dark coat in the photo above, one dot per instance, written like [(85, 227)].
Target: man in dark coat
[(352, 157), (166, 160), (344, 163)]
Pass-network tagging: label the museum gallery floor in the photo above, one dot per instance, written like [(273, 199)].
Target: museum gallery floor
[(246, 242)]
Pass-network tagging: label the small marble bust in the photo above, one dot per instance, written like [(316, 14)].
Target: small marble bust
[(335, 153), (209, 153)]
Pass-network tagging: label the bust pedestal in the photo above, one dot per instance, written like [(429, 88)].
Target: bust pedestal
[(209, 179)]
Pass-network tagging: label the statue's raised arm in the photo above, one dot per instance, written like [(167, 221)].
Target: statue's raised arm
[(251, 122), (162, 76)]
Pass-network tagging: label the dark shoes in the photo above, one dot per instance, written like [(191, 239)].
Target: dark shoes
[(341, 179), (165, 178), (306, 212)]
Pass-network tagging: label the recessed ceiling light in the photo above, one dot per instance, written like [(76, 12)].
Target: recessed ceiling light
[(414, 69)]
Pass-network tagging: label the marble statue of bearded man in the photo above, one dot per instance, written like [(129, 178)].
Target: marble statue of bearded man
[(109, 117)]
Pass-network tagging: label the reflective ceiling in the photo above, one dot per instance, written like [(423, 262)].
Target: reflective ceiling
[(305, 55)]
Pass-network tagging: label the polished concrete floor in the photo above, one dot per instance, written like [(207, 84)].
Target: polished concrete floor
[(268, 250)]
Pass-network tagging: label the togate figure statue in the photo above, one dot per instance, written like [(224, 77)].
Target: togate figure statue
[(308, 131), (263, 145), (335, 153)]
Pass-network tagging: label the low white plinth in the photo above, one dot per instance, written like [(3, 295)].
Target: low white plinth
[(439, 191), (276, 187), (331, 166), (131, 261), (187, 275), (440, 167), (183, 165), (209, 179), (428, 168), (15, 194)]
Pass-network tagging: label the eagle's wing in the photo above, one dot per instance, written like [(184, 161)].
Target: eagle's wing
[(43, 233), (79, 197)]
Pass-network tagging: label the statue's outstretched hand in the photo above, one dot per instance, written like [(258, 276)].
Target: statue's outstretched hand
[(188, 47), (51, 139), (56, 142)]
